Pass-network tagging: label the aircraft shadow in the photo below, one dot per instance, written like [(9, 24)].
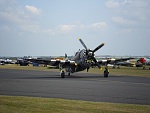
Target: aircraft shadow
[(70, 77)]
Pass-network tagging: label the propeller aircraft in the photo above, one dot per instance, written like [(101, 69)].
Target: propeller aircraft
[(143, 62), (83, 59)]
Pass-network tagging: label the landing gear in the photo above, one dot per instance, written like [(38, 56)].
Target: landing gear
[(68, 70), (106, 72), (68, 73), (62, 74)]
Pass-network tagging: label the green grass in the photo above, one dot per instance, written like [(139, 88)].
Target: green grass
[(131, 71), (30, 67), (12, 104)]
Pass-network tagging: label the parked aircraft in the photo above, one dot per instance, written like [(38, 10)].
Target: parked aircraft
[(22, 62), (125, 63), (116, 63), (143, 62), (6, 61), (83, 59)]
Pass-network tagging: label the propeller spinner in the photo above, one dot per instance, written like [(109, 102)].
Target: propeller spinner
[(90, 53)]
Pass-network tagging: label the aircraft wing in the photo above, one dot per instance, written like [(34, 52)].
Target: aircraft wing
[(113, 61), (52, 62), (123, 59)]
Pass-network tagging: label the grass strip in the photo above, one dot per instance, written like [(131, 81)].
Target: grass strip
[(18, 104)]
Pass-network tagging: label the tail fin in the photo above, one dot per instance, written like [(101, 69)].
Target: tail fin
[(142, 60), (66, 57)]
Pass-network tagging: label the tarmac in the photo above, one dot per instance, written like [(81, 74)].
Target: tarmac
[(79, 86)]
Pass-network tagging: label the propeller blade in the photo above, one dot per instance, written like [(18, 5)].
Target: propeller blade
[(98, 65), (83, 43), (97, 48)]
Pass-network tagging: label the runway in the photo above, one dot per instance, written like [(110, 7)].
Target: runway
[(79, 86)]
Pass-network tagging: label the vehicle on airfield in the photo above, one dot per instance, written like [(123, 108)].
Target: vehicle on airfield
[(83, 60)]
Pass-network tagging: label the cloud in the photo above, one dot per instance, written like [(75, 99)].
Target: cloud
[(18, 18), (65, 28), (49, 31), (60, 29), (9, 11), (33, 9), (127, 2), (10, 18), (99, 26), (122, 21), (112, 4), (30, 28), (69, 28), (136, 9)]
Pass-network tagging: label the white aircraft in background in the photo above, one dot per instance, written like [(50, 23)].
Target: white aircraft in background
[(6, 61)]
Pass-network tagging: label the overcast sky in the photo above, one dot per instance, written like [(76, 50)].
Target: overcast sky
[(52, 27)]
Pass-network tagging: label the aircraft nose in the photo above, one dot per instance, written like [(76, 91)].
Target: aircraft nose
[(90, 53)]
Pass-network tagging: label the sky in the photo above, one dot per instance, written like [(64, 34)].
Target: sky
[(52, 27)]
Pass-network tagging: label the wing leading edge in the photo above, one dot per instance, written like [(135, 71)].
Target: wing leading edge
[(63, 63)]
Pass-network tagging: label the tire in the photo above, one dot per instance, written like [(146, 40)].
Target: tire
[(106, 73), (69, 74), (62, 74)]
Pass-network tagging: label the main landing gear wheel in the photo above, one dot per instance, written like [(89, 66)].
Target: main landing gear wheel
[(62, 74), (106, 72), (68, 73)]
